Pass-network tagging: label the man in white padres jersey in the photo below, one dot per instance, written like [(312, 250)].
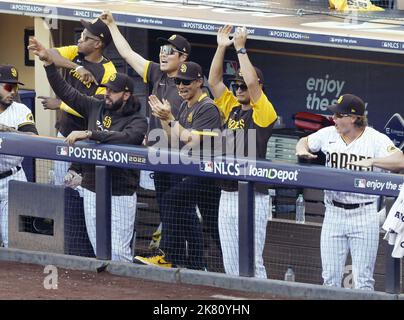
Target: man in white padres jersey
[(351, 222), (14, 117)]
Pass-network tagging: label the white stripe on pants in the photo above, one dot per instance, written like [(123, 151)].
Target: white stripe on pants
[(123, 213), (356, 230), (60, 168), (20, 176), (228, 231)]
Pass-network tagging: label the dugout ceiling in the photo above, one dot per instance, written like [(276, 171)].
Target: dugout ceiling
[(376, 32)]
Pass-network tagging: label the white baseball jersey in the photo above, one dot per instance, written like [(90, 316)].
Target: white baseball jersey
[(370, 144), (15, 116), (394, 225)]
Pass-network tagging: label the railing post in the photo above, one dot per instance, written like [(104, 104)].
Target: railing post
[(246, 228), (392, 265), (103, 192)]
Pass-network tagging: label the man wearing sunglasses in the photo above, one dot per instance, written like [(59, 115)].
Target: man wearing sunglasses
[(117, 120), (182, 230), (14, 117), (246, 110), (87, 68), (351, 221)]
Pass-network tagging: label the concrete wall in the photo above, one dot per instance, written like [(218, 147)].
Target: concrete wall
[(12, 37)]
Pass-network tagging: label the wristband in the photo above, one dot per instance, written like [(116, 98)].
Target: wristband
[(172, 123), (77, 68)]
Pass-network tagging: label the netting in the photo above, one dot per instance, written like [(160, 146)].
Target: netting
[(192, 222)]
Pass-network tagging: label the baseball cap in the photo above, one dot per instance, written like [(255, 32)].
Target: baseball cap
[(179, 42), (348, 104), (239, 76), (9, 74), (99, 29), (189, 71), (120, 82)]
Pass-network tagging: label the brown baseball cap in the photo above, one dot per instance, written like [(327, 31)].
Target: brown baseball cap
[(239, 76), (99, 29), (9, 74), (348, 104), (120, 82), (189, 71), (179, 42)]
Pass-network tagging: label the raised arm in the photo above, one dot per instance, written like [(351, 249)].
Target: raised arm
[(62, 89), (246, 67), (216, 84), (135, 60)]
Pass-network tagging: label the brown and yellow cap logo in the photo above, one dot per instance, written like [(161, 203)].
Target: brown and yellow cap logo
[(112, 77), (14, 72)]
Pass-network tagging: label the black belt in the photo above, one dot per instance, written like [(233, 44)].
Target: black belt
[(349, 206), (8, 173)]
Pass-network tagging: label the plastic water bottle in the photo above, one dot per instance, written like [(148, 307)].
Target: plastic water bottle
[(290, 274), (51, 176), (300, 209)]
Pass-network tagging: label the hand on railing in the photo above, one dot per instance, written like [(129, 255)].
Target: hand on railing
[(4, 128), (77, 136), (306, 155)]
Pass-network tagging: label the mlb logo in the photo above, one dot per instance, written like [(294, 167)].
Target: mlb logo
[(206, 166), (360, 183), (62, 151)]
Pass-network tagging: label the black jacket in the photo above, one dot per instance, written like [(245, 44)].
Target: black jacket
[(106, 126)]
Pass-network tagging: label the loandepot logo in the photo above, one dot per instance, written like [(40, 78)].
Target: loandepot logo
[(237, 169), (394, 129), (274, 174)]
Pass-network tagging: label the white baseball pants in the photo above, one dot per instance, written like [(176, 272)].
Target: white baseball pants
[(20, 176), (123, 213), (357, 231), (229, 235)]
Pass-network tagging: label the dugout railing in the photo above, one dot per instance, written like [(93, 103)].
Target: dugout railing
[(275, 173)]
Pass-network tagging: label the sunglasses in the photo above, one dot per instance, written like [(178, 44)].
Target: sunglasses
[(340, 115), (241, 86), (178, 81), (10, 87), (168, 50), (85, 38)]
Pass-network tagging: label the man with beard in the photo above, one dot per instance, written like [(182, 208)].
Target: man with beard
[(14, 117), (174, 51), (115, 119), (86, 69), (183, 239), (248, 111)]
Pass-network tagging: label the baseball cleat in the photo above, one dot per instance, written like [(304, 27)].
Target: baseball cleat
[(157, 260)]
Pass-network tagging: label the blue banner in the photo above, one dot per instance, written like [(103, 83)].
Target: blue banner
[(317, 177)]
